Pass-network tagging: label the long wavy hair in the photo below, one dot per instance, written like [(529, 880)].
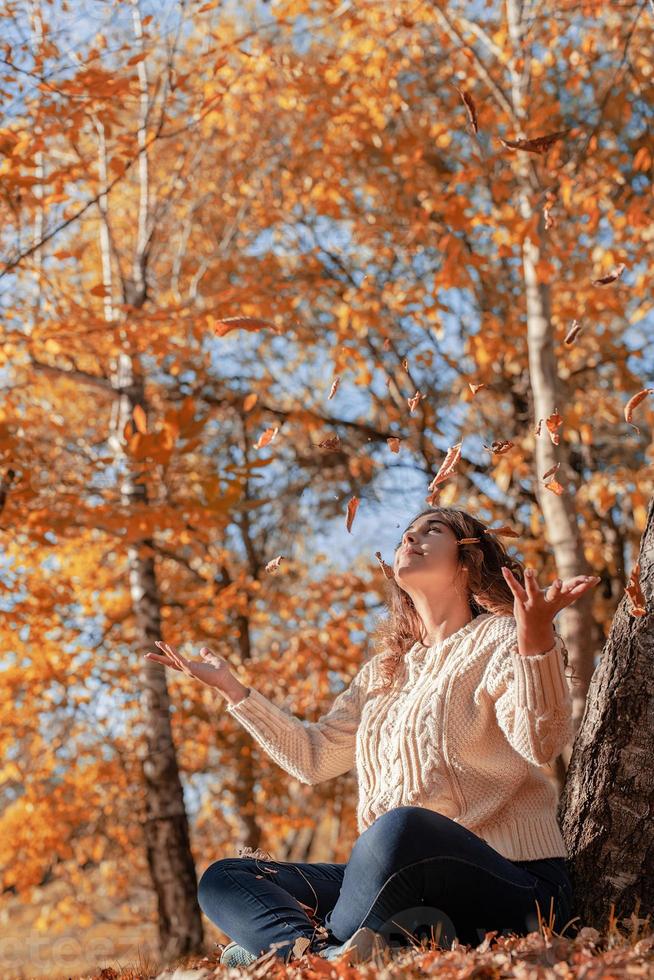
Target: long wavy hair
[(488, 592)]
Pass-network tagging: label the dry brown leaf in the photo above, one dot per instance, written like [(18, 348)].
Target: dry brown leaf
[(273, 564), (471, 108), (506, 531), (250, 401), (446, 470), (252, 323), (540, 144), (413, 402), (551, 470), (332, 390), (468, 540), (352, 508), (332, 442), (634, 592), (385, 567), (475, 388), (611, 277), (572, 333), (633, 402), (554, 422), (393, 444), (499, 447)]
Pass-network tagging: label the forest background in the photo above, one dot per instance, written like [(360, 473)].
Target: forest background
[(263, 267)]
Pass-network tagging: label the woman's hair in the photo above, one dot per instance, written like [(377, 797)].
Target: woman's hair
[(487, 589)]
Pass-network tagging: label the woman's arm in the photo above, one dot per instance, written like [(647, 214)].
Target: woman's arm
[(530, 694), (310, 751)]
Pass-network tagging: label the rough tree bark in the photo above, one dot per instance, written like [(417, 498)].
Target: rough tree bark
[(606, 810)]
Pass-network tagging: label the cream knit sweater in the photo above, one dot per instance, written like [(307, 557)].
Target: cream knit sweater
[(464, 730)]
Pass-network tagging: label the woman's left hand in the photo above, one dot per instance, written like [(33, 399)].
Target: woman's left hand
[(535, 608)]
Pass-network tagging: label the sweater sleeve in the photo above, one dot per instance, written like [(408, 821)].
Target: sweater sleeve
[(310, 751), (533, 705)]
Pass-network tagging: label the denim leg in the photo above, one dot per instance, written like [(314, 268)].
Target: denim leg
[(412, 855), (258, 902)]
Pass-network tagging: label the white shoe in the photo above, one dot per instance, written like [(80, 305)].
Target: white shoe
[(363, 944)]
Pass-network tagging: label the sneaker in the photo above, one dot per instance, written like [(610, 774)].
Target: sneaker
[(360, 946), (235, 955)]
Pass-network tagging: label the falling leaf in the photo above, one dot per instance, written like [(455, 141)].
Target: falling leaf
[(413, 402), (499, 446), (405, 363), (266, 437), (611, 277), (385, 567), (351, 512), (475, 388), (335, 384), (139, 419), (537, 429), (387, 344), (572, 333), (333, 442), (470, 106), (555, 487), (506, 531), (250, 401), (633, 402), (538, 145), (446, 470), (553, 423), (252, 323), (552, 469), (273, 564), (468, 540), (393, 444), (634, 593)]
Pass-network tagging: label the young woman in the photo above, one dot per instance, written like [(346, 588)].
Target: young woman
[(449, 726)]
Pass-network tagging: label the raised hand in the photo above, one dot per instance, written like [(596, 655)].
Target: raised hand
[(535, 608), (212, 670)]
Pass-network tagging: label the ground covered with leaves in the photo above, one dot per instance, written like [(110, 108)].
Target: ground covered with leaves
[(544, 954)]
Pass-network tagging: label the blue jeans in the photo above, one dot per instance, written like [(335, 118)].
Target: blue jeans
[(409, 856)]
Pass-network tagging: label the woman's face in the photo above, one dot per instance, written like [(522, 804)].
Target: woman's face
[(428, 554)]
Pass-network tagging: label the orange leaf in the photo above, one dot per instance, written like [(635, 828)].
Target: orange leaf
[(634, 593), (139, 419), (447, 468), (352, 508), (506, 530), (252, 323), (266, 437), (633, 402)]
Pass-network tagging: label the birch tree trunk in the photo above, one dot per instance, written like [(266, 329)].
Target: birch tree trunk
[(606, 810), (166, 830), (559, 514)]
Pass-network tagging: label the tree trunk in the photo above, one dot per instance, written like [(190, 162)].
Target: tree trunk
[(607, 807), (558, 511), (165, 824)]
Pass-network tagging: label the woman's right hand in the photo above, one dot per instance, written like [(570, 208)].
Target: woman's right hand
[(213, 670)]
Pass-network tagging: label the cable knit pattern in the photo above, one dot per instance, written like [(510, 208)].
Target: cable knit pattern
[(464, 730)]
